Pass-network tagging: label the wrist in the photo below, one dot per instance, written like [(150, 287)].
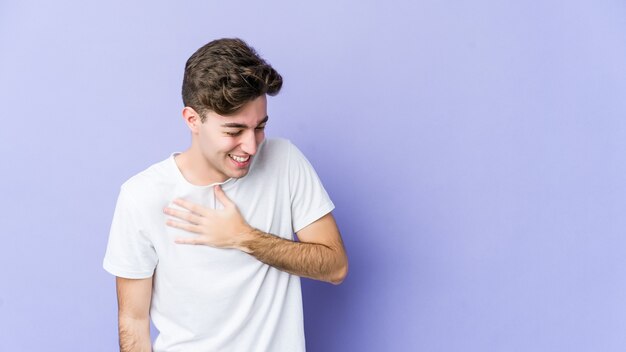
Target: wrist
[(246, 236)]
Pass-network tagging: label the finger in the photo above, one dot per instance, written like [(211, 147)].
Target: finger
[(222, 197), (193, 207), (187, 241), (184, 215), (184, 226)]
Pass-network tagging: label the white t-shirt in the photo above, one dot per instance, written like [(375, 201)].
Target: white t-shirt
[(209, 299)]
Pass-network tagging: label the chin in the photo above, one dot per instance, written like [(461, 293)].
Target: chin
[(237, 174), (236, 171)]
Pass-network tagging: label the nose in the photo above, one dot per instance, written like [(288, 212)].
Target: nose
[(249, 143)]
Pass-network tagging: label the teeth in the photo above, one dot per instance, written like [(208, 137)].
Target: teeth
[(239, 158)]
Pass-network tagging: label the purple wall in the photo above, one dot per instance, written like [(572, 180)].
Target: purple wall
[(476, 152)]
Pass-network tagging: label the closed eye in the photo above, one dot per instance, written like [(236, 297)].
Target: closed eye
[(260, 127)]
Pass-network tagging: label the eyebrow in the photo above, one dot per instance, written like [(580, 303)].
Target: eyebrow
[(241, 125)]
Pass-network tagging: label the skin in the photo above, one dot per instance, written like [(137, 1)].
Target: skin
[(133, 300), (207, 161), (319, 254)]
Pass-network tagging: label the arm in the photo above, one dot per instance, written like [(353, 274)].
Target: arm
[(133, 300), (320, 254)]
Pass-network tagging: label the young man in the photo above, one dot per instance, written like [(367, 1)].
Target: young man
[(202, 242)]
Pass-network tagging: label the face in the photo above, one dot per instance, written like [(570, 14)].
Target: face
[(228, 143)]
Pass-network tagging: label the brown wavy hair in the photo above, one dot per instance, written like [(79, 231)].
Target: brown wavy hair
[(225, 74)]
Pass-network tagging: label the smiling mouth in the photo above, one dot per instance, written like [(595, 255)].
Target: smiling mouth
[(239, 159)]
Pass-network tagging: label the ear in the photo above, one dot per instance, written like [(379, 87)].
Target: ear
[(192, 119)]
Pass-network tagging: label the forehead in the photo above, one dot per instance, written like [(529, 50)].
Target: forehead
[(251, 114)]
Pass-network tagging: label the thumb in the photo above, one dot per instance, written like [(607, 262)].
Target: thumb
[(221, 196)]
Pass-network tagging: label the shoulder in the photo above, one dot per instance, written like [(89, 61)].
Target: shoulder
[(286, 158), (276, 146), (273, 152), (272, 159), (147, 181), (280, 149)]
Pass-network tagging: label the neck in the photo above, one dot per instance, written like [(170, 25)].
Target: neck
[(195, 170)]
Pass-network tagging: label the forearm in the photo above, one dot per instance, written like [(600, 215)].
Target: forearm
[(312, 260), (320, 254), (134, 335)]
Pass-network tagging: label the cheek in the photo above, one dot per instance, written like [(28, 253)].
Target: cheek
[(205, 137), (260, 137), (212, 144), (228, 145)]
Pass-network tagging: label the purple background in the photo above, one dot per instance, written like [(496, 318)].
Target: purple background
[(475, 151)]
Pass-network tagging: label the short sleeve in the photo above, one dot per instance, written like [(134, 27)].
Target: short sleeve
[(130, 253), (309, 199)]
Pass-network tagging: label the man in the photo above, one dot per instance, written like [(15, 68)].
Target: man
[(202, 242)]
